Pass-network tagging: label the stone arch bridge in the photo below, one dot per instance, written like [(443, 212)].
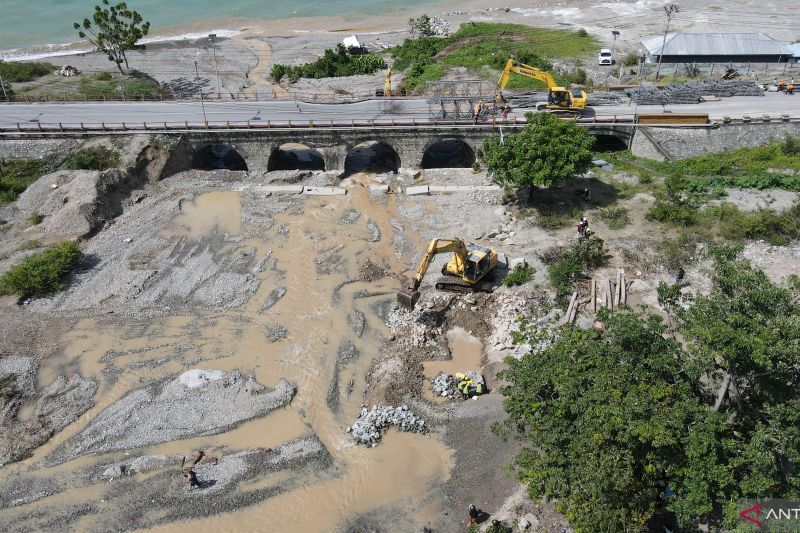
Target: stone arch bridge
[(346, 150)]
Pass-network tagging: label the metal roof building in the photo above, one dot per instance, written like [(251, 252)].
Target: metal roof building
[(716, 48)]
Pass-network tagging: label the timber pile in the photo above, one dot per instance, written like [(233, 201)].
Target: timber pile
[(607, 293)]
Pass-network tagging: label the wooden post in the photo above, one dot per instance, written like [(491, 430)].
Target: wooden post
[(609, 295), (618, 289), (624, 291), (593, 293), (570, 309)]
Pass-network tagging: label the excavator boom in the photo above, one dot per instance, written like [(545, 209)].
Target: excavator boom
[(407, 297), (524, 70)]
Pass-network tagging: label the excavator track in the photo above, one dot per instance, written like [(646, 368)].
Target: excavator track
[(454, 284)]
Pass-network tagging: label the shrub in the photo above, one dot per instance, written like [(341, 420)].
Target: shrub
[(582, 33), (43, 273), (103, 76), (16, 175), (614, 217), (790, 146), (569, 263), (630, 60), (278, 72), (333, 63), (16, 72), (552, 221), (520, 275), (35, 218), (93, 158), (421, 25)]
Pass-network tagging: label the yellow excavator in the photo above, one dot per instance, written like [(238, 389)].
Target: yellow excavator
[(464, 272), (560, 100)]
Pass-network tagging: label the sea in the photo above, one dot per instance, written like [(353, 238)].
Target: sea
[(41, 28)]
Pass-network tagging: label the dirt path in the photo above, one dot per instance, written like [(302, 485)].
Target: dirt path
[(258, 74)]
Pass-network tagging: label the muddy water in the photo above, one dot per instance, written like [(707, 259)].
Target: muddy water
[(214, 210), (466, 351), (315, 252)]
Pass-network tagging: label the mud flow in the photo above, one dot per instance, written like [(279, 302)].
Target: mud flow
[(323, 280)]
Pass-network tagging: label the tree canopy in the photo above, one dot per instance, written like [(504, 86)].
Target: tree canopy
[(547, 150), (114, 30), (625, 421)]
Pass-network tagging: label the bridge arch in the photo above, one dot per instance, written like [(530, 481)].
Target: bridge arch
[(609, 142), (449, 152), (371, 156), (218, 157), (295, 156)]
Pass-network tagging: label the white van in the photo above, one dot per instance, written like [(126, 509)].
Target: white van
[(604, 57)]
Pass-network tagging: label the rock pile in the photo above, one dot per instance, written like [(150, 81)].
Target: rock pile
[(444, 385), (441, 27), (370, 422)]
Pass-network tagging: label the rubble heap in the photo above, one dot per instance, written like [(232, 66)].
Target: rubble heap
[(370, 422), (444, 385)]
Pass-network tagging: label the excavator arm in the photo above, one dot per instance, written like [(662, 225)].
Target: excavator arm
[(513, 67), (408, 297)]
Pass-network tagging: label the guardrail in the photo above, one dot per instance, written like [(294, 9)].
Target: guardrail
[(61, 127)]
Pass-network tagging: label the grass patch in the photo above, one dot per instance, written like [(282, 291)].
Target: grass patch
[(35, 218), (29, 245), (17, 72), (477, 45), (94, 158), (116, 86), (16, 175), (43, 273), (519, 276), (567, 264), (614, 217)]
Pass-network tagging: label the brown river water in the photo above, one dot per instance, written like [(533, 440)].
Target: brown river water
[(401, 472)]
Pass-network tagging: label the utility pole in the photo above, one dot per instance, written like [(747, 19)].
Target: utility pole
[(670, 11), (615, 33), (212, 37), (3, 85)]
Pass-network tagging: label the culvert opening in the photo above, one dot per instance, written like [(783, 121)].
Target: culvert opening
[(609, 143), (448, 153), (371, 156), (218, 157), (295, 156)]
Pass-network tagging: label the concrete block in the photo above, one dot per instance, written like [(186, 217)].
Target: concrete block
[(277, 189), (417, 190), (324, 191), (378, 189), (463, 188)]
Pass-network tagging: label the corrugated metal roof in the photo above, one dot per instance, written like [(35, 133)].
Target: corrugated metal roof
[(794, 49), (715, 44)]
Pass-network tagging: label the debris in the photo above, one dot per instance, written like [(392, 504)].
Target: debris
[(370, 422), (444, 385)]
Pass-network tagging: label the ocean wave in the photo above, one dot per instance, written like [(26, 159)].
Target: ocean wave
[(69, 49)]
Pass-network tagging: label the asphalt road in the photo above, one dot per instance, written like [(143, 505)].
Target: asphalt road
[(95, 113)]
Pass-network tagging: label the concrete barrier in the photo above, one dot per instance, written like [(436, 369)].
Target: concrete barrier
[(417, 190), (269, 189), (324, 191), (464, 188)]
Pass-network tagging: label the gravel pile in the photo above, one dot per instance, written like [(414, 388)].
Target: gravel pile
[(444, 385), (196, 403), (370, 422)]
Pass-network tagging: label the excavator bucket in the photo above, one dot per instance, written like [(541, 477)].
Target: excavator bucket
[(407, 298)]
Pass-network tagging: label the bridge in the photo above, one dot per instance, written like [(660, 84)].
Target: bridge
[(371, 134)]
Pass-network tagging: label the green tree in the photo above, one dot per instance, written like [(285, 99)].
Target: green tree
[(613, 417), (421, 26), (114, 30), (547, 150), (604, 414)]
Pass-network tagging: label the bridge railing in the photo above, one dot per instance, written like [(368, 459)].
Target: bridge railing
[(627, 120)]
